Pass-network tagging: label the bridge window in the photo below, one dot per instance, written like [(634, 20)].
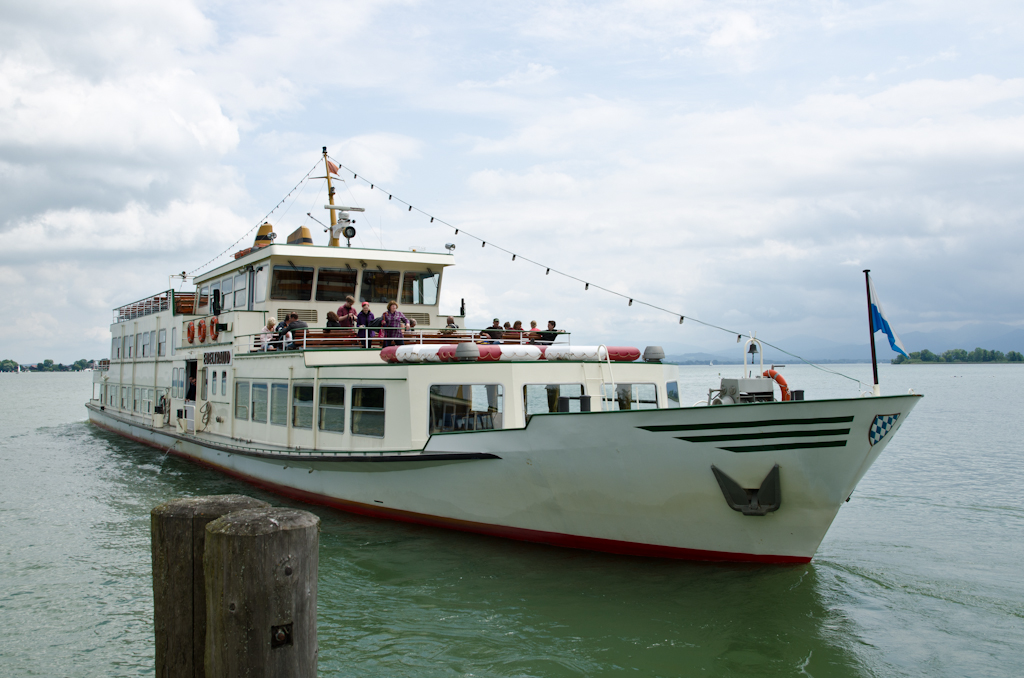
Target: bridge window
[(543, 398), (226, 296), (334, 284), (260, 283), (302, 405), (204, 299), (630, 397), (294, 283), (380, 286), (368, 411), (420, 287), (466, 407), (332, 408), (240, 300), (672, 388)]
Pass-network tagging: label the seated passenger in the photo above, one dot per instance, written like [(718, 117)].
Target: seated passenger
[(495, 332), (332, 321), (450, 327), (297, 329), (547, 338), (267, 336)]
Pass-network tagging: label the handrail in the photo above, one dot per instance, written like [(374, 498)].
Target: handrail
[(252, 342)]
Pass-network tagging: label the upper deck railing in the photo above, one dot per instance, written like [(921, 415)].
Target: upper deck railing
[(313, 338), (182, 304)]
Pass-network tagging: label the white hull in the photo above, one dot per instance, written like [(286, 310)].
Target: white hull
[(623, 482)]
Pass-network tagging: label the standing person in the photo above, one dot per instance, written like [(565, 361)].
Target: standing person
[(365, 319), (191, 393), (394, 320), (347, 313)]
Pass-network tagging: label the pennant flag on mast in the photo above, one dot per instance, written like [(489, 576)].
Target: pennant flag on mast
[(332, 167), (880, 322)]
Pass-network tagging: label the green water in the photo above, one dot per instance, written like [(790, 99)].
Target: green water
[(921, 574)]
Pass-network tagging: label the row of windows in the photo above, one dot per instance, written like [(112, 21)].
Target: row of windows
[(141, 345), (296, 283), (261, 402), (233, 290), (128, 398)]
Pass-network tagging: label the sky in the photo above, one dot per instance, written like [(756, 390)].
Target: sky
[(735, 162)]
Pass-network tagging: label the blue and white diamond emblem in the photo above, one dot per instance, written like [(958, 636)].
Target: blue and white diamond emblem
[(881, 426)]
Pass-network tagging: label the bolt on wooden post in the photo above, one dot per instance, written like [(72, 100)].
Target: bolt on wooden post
[(178, 531), (261, 587)]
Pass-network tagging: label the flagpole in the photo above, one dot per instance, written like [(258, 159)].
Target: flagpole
[(871, 326)]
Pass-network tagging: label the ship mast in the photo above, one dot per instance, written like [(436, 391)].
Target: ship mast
[(334, 242)]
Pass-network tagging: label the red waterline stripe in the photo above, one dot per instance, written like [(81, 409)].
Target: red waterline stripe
[(518, 533)]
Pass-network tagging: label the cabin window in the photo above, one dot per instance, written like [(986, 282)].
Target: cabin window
[(204, 299), (213, 383), (161, 344), (260, 293), (174, 340), (137, 400), (630, 397), (466, 407), (126, 346), (242, 400), (672, 391), (259, 403), (334, 284), (112, 394), (543, 398), (294, 283), (240, 300), (224, 383), (420, 287), (147, 400), (113, 348), (302, 406), (279, 404), (144, 353), (206, 380), (380, 286), (332, 408), (174, 382), (226, 296), (368, 411), (124, 397)]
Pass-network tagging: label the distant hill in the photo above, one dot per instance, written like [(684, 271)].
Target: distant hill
[(992, 336)]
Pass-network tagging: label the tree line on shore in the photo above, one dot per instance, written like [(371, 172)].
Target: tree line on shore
[(959, 355), (47, 366)]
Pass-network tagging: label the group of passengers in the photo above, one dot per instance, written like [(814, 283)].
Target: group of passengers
[(514, 332), (391, 327)]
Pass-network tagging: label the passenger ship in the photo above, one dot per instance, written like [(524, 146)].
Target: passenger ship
[(563, 444)]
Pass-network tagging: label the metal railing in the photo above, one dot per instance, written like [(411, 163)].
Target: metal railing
[(349, 338)]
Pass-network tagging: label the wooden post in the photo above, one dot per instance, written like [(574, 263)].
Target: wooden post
[(261, 583), (179, 590)]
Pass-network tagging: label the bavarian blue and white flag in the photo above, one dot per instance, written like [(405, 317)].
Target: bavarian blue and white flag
[(881, 324)]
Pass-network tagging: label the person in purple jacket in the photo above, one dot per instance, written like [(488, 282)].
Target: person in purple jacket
[(395, 322), (365, 319)]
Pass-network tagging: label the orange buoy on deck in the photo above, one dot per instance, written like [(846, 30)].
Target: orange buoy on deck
[(781, 382)]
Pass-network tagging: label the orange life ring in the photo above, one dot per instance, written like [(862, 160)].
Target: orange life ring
[(213, 329), (781, 381), (202, 331), (192, 332)]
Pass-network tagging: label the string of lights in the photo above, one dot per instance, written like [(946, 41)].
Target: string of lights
[(258, 223), (548, 270)]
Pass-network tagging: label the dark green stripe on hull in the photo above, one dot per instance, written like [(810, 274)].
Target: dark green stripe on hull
[(767, 434), (786, 446), (749, 424)]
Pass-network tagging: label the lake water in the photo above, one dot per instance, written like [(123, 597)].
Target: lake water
[(920, 575)]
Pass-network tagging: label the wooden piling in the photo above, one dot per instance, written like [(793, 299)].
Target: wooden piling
[(178, 530), (261, 586)]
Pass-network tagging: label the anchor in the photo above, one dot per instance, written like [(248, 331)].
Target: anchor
[(759, 502)]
